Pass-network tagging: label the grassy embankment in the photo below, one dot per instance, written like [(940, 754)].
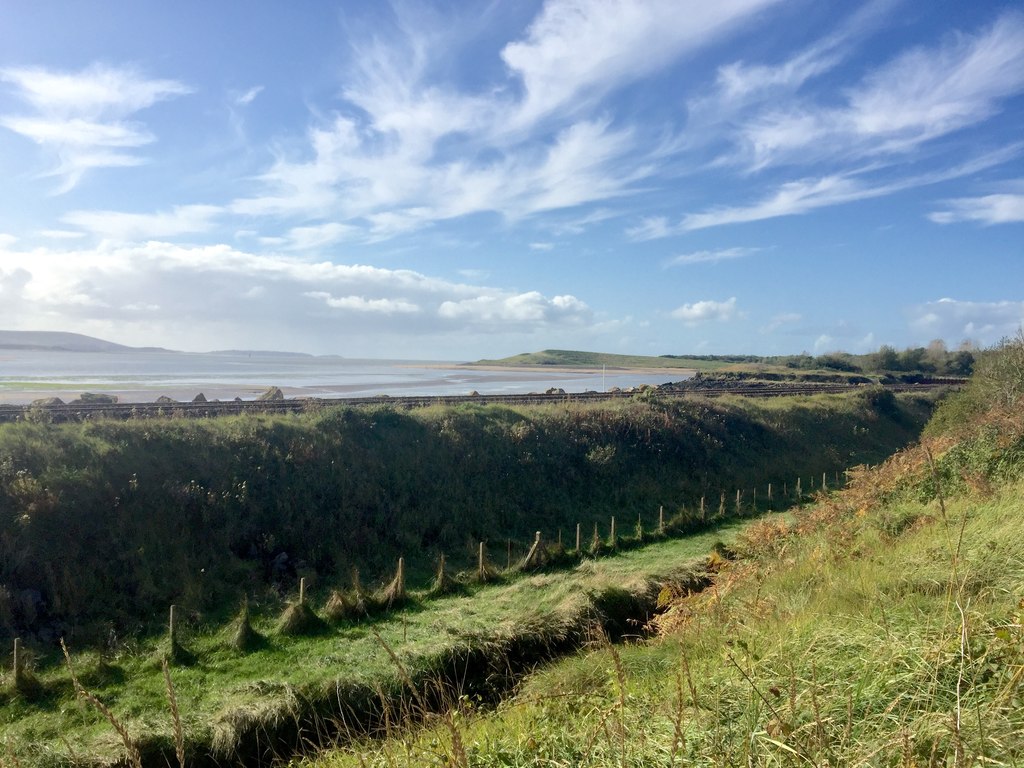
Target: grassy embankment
[(231, 700), (882, 626), (108, 523)]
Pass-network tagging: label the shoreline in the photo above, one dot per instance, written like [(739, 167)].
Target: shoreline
[(442, 379), (617, 370)]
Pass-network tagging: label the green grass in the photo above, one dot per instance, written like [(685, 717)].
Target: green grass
[(224, 692), (196, 512), (844, 645)]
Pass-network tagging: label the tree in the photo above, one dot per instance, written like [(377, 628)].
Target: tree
[(886, 358)]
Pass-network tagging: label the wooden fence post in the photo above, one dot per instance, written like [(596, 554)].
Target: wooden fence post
[(302, 591), (400, 579), (738, 502), (703, 511), (16, 668), (577, 538), (661, 519), (172, 626), (611, 536), (533, 551), (769, 496), (480, 571)]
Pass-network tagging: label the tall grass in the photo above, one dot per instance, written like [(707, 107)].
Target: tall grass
[(112, 521)]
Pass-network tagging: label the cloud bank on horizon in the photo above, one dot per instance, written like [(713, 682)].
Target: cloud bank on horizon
[(420, 180)]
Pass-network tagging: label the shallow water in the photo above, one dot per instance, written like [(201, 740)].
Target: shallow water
[(26, 375)]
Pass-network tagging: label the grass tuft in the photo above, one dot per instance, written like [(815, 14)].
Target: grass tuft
[(298, 619), (244, 637)]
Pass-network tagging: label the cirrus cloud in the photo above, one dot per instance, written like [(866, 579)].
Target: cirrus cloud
[(82, 118)]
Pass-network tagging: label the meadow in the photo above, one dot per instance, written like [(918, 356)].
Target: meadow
[(114, 522)]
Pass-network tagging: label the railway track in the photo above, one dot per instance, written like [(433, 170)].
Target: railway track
[(86, 411)]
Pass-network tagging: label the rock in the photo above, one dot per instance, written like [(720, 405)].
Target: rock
[(200, 398), (43, 401), (274, 394), (89, 397), (165, 400)]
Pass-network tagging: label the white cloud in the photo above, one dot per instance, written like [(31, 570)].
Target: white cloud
[(410, 149), (709, 257), (798, 197), (577, 50), (919, 96), (580, 224), (651, 228), (82, 117), (7, 240), (202, 297), (318, 235), (117, 225), (531, 308), (61, 234), (988, 209), (361, 304), (706, 311), (246, 98), (824, 343), (541, 246), (954, 320)]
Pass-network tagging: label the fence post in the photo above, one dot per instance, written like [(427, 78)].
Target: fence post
[(824, 483), (17, 660), (302, 591), (703, 511), (769, 496), (172, 626), (611, 536), (661, 519), (577, 538), (400, 577), (533, 551), (481, 573), (738, 502)]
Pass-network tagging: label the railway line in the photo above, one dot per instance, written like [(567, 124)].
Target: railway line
[(69, 412)]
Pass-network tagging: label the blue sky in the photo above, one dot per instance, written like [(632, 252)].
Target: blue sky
[(461, 180)]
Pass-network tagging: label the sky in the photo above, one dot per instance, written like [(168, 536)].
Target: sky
[(460, 180)]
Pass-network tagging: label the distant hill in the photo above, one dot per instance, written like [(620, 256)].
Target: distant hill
[(58, 341), (257, 353), (573, 359), (63, 342)]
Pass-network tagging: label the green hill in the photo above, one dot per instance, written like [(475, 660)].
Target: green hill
[(573, 359)]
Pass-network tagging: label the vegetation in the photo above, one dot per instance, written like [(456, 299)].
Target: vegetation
[(935, 359), (108, 523), (285, 691), (574, 359), (883, 625)]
